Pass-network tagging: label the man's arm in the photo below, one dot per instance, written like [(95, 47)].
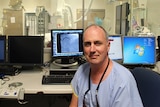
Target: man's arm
[(74, 101)]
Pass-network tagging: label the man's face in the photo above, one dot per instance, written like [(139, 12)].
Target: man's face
[(95, 45)]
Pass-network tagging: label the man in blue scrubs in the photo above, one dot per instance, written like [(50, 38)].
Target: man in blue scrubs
[(101, 82)]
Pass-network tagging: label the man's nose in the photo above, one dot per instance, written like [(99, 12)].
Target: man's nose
[(93, 48)]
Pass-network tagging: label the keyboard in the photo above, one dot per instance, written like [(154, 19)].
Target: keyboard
[(56, 79)]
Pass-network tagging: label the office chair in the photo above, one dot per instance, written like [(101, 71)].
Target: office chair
[(148, 83)]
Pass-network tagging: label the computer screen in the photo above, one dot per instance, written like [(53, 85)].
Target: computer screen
[(2, 49), (66, 44), (139, 50), (25, 50), (115, 52)]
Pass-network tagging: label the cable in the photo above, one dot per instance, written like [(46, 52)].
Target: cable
[(15, 84), (22, 102), (46, 70), (5, 78)]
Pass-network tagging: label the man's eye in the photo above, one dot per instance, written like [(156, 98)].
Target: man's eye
[(87, 44), (97, 43)]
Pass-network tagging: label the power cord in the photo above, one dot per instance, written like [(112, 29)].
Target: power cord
[(15, 84)]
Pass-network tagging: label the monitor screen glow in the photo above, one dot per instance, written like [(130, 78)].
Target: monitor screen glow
[(115, 52), (139, 50), (2, 49), (66, 43)]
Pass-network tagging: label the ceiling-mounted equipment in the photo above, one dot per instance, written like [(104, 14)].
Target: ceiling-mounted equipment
[(15, 4)]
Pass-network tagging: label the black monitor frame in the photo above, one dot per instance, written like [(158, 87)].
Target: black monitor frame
[(22, 51)]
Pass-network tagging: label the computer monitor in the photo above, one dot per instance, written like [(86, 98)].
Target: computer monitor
[(115, 52), (66, 46), (25, 51), (139, 50), (2, 49)]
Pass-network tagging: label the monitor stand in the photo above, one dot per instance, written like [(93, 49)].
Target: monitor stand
[(65, 62), (68, 66)]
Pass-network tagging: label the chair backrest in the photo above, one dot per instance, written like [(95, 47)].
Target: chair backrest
[(148, 83)]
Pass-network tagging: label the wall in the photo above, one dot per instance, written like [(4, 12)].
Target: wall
[(153, 16)]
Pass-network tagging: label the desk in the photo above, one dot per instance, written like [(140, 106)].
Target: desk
[(37, 94), (32, 83)]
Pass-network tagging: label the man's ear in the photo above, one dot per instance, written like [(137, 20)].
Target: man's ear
[(108, 43)]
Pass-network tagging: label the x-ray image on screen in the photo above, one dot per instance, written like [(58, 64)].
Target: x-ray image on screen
[(69, 43), (66, 45)]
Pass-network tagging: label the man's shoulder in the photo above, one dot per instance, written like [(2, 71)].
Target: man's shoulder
[(118, 65), (120, 70)]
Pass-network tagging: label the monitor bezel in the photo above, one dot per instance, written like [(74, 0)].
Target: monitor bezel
[(26, 64), (65, 57), (140, 63)]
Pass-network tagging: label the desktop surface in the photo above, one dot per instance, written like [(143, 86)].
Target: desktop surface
[(32, 83)]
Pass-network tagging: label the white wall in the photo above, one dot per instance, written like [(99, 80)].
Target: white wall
[(153, 16)]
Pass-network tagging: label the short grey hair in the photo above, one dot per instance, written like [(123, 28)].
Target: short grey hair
[(106, 33)]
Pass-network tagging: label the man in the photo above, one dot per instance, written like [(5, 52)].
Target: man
[(102, 82)]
